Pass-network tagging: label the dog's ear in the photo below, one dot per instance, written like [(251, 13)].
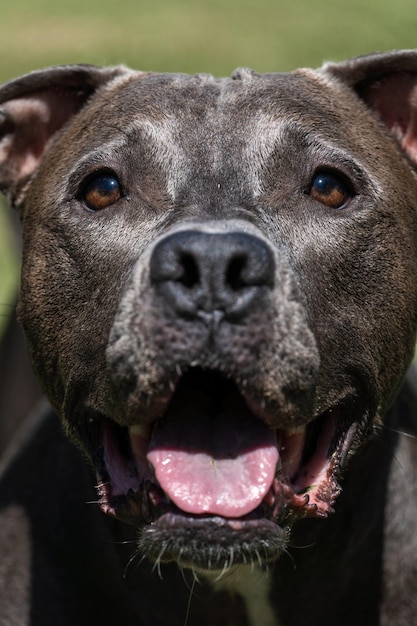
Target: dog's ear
[(387, 82), (34, 107)]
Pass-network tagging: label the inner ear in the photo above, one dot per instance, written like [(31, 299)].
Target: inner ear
[(34, 107), (395, 100), (26, 126), (387, 83)]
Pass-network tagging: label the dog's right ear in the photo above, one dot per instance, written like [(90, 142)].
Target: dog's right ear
[(34, 107)]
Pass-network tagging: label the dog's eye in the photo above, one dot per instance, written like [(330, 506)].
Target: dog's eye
[(101, 192), (330, 189)]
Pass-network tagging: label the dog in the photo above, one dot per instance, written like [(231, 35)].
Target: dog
[(219, 298)]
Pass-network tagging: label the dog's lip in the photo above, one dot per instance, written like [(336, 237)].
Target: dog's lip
[(258, 536), (304, 484)]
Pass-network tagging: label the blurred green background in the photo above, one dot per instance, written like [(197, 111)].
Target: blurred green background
[(189, 35)]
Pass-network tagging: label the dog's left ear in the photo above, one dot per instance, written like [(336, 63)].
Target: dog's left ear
[(387, 82)]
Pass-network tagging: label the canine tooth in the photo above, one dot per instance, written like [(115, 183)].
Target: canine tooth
[(140, 430)]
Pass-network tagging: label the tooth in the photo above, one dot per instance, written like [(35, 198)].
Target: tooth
[(140, 430), (297, 430)]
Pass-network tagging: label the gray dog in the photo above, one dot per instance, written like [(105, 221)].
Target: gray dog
[(219, 297)]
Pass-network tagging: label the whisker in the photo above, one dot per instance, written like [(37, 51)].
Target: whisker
[(157, 565), (190, 596), (195, 577), (135, 554), (403, 433), (223, 571), (258, 556)]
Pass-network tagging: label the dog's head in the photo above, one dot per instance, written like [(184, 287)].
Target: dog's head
[(219, 284)]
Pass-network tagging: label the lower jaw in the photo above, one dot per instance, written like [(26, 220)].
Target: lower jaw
[(212, 543), (201, 542)]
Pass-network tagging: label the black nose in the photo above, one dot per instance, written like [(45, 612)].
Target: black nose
[(200, 273)]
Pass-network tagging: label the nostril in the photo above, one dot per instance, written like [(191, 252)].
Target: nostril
[(194, 272), (190, 276), (235, 272)]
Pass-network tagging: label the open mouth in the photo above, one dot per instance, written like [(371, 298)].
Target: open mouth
[(210, 472)]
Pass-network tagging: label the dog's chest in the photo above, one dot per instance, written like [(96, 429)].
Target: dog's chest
[(254, 588)]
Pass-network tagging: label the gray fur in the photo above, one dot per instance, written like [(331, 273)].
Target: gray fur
[(326, 323)]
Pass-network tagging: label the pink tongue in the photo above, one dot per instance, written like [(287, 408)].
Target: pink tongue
[(221, 465)]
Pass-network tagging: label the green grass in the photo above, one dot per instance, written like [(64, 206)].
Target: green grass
[(195, 35), (192, 35), (9, 268)]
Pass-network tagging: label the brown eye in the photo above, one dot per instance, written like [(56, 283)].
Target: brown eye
[(330, 189), (102, 192)]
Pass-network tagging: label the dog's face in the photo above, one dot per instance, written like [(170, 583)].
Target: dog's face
[(219, 285)]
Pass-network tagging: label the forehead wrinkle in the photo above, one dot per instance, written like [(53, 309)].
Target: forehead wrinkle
[(184, 151), (99, 156), (164, 148), (265, 132), (218, 143), (327, 150)]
